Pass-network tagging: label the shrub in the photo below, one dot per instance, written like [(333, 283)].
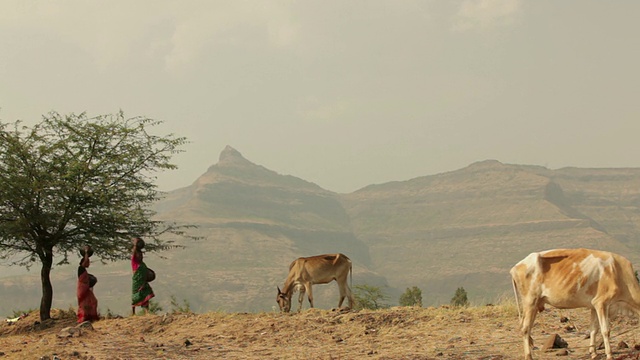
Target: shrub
[(176, 308), (369, 297), (460, 298), (411, 297)]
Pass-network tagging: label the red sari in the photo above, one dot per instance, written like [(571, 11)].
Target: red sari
[(87, 301)]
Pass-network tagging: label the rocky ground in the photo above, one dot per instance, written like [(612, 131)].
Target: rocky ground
[(487, 332)]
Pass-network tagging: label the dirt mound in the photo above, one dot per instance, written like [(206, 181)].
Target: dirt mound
[(488, 332), (30, 322)]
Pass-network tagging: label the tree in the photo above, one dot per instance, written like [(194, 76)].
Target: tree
[(411, 297), (460, 298), (369, 297), (71, 181)]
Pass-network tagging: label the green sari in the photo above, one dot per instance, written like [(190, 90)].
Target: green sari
[(141, 290)]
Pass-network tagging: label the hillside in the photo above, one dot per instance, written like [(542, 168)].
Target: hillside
[(468, 227), (463, 228), (487, 332)]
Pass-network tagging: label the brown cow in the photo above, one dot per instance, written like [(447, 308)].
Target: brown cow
[(575, 278), (320, 269)]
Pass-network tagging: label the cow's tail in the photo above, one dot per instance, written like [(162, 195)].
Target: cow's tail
[(350, 274), (515, 292)]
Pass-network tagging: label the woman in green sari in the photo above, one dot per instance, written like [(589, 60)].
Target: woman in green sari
[(141, 290)]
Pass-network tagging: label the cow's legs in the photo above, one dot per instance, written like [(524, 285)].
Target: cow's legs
[(529, 316), (300, 297), (309, 294), (593, 331), (341, 287), (603, 319), (345, 292)]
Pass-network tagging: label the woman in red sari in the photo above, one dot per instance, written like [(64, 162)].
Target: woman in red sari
[(140, 289), (87, 301)]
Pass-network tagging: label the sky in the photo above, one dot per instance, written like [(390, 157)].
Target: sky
[(340, 93)]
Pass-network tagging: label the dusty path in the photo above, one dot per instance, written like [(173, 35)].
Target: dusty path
[(400, 333)]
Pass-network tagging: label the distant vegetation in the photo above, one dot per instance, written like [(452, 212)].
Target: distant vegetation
[(177, 308), (411, 297), (460, 298), (369, 297)]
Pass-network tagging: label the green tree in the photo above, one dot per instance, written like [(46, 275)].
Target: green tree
[(71, 181), (460, 298), (369, 297), (411, 297)]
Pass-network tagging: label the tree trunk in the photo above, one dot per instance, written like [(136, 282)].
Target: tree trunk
[(47, 288)]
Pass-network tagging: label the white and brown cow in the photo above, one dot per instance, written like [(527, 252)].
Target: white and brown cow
[(320, 269), (574, 278)]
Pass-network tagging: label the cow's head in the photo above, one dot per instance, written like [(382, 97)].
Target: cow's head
[(284, 301)]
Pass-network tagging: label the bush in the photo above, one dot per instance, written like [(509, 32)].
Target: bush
[(369, 297), (154, 308), (176, 308), (411, 297), (18, 313), (460, 298)]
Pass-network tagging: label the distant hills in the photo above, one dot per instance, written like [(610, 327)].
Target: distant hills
[(461, 228)]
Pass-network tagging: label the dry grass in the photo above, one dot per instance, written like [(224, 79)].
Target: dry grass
[(486, 332)]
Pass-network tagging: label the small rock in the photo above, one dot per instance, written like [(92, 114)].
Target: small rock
[(554, 341), (622, 345), (564, 319), (85, 325), (69, 332), (187, 343)]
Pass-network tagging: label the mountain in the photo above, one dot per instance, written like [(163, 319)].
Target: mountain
[(254, 222), (468, 227), (463, 228)]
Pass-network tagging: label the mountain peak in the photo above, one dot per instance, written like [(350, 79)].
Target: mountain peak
[(230, 153), (231, 156)]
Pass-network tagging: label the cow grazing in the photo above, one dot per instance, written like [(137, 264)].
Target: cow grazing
[(307, 271), (575, 278)]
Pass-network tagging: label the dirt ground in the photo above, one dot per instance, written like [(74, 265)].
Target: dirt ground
[(486, 332)]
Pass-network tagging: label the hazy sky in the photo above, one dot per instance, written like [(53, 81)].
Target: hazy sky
[(340, 93)]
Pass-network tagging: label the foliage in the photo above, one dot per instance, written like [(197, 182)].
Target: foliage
[(177, 308), (18, 313), (111, 315), (71, 181), (154, 308), (411, 297), (369, 297), (460, 298)]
